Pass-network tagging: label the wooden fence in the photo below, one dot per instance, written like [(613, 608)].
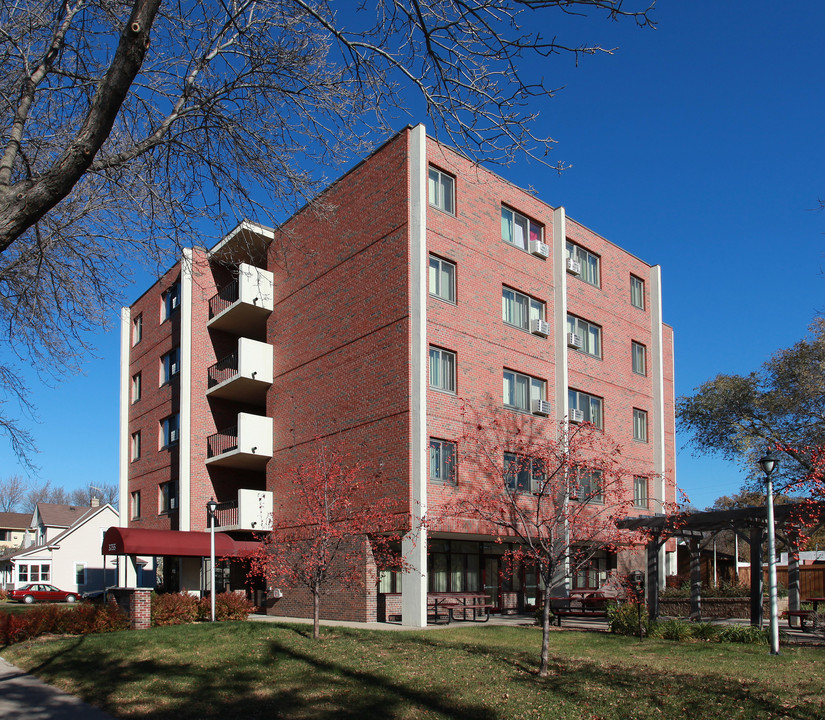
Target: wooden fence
[(811, 579)]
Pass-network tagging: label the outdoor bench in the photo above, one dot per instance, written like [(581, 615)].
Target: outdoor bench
[(578, 606), (803, 615)]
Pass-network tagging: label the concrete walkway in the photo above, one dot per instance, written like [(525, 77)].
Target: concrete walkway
[(24, 697)]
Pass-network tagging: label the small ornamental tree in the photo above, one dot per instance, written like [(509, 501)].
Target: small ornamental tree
[(318, 538), (556, 495)]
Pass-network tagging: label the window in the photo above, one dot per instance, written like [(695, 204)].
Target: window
[(442, 279), (137, 329), (80, 573), (639, 358), (522, 474), (134, 504), (33, 573), (639, 425), (169, 365), (442, 369), (637, 292), (589, 486), (135, 446), (590, 334), (136, 387), (521, 390), (169, 427), (170, 301), (588, 261), (22, 573), (442, 191), (520, 310), (442, 461), (640, 491), (518, 230), (590, 406), (167, 500)]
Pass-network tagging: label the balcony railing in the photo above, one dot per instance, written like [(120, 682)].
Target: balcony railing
[(222, 441), (226, 514), (224, 369), (227, 295)]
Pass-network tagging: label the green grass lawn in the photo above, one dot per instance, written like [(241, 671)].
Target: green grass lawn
[(262, 670)]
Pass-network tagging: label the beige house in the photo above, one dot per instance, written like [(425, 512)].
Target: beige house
[(13, 528)]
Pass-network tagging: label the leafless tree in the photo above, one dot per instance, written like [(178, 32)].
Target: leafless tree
[(131, 128), (12, 492)]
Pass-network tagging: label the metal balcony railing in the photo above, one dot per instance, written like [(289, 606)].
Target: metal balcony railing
[(226, 514), (224, 369), (222, 441), (227, 295)]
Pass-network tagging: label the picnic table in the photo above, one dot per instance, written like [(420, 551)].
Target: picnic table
[(591, 604), (448, 606), (805, 615)]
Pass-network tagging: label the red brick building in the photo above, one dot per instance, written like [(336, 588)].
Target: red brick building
[(428, 283)]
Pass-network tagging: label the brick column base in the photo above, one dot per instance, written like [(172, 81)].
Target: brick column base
[(140, 609)]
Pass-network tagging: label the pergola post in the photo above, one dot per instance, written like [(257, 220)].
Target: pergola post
[(653, 546), (695, 579), (757, 536), (794, 599)]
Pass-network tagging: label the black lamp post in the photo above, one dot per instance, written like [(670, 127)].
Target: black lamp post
[(768, 464), (211, 506)]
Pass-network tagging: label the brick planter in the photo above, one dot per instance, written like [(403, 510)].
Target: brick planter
[(736, 607)]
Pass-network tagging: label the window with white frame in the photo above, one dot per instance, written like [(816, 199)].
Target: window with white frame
[(442, 369), (589, 485), (520, 310), (639, 425), (590, 335), (640, 491), (22, 573), (442, 190), (520, 391), (33, 573), (589, 405), (169, 430), (169, 365), (590, 270), (639, 358), (135, 446), (637, 292), (80, 573), (522, 473), (136, 387), (167, 497), (134, 504), (518, 230), (170, 301), (442, 461), (137, 329), (442, 279)]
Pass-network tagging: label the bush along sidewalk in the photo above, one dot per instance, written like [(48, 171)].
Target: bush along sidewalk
[(85, 618), (624, 620)]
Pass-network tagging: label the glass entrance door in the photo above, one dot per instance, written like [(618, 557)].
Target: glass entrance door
[(492, 582)]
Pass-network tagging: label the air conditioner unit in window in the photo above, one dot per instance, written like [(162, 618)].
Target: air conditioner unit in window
[(574, 341), (574, 267), (173, 503), (539, 249), (541, 407), (540, 327), (173, 436), (576, 416)]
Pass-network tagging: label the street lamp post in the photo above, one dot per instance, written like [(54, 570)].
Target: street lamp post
[(210, 511), (768, 464)]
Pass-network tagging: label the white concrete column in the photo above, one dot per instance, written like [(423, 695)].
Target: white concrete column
[(124, 440), (185, 412), (414, 545)]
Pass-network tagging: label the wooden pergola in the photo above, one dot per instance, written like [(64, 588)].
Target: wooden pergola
[(793, 522)]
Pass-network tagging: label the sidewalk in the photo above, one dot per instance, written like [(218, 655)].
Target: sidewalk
[(24, 697)]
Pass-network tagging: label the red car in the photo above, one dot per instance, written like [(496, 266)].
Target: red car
[(39, 592)]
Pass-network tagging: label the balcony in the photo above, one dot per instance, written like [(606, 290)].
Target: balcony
[(247, 445), (242, 306), (251, 511), (245, 375)]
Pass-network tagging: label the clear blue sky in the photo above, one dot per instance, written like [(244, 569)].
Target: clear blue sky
[(696, 146)]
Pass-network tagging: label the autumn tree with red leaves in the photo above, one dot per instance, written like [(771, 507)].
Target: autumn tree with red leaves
[(332, 513), (557, 495)]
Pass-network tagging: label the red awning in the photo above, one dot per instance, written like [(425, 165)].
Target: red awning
[(175, 543)]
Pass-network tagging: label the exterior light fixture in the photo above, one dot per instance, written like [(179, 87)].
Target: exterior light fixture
[(211, 507), (768, 465)]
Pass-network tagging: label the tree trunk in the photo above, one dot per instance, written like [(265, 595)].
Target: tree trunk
[(545, 631), (316, 613)]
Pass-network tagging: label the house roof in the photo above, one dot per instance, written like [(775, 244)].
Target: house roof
[(176, 543), (15, 521), (57, 515)]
